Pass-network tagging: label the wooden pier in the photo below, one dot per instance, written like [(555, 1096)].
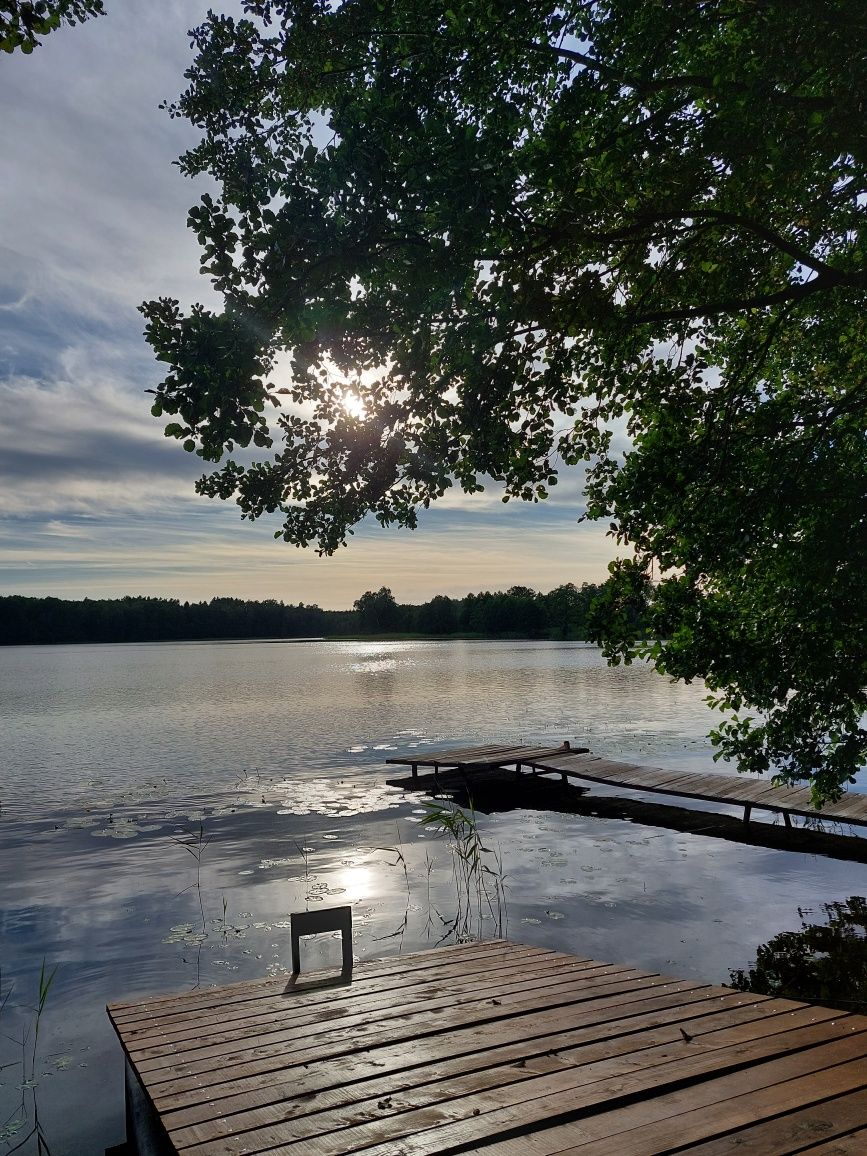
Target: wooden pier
[(497, 1048), (748, 791)]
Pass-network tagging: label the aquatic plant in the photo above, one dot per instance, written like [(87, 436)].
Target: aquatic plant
[(304, 852), (196, 842), (45, 982), (16, 1122), (478, 870)]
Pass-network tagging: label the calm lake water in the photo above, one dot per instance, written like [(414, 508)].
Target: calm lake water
[(164, 807)]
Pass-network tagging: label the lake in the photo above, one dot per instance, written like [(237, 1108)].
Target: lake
[(164, 807)]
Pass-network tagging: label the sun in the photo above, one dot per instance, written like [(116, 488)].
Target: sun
[(353, 404)]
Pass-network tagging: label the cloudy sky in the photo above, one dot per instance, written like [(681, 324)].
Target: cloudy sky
[(93, 500)]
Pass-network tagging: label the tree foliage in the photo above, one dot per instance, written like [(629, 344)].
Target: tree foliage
[(378, 611), (516, 613), (22, 21), (468, 243)]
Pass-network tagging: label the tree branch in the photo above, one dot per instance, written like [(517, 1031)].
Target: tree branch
[(687, 80), (796, 292), (644, 227)]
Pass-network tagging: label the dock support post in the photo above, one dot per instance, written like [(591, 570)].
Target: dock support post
[(747, 810), (518, 770), (787, 818), (145, 1132), (415, 770)]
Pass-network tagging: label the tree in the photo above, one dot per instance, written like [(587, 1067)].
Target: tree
[(22, 21), (377, 611), (567, 608), (468, 243), (439, 616)]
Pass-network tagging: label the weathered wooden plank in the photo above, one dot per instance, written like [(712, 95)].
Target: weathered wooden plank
[(747, 790), (793, 1132), (454, 755), (854, 1144), (511, 1052), (689, 783), (461, 1099), (638, 779), (848, 807), (619, 1014), (301, 1022), (794, 796), (792, 1081), (535, 1104), (400, 971), (386, 965), (397, 1117), (447, 755), (167, 1094), (466, 1050), (671, 779), (717, 1118), (216, 1065), (568, 760), (381, 991), (710, 787), (475, 756), (609, 766), (359, 1103), (507, 757), (726, 788)]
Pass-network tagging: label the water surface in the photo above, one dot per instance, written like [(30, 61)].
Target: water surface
[(96, 722), (166, 806)]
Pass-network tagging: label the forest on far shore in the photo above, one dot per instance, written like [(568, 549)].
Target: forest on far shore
[(519, 612)]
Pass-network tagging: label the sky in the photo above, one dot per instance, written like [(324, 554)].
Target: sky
[(94, 501)]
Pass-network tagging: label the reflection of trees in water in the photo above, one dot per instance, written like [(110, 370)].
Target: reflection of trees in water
[(823, 962)]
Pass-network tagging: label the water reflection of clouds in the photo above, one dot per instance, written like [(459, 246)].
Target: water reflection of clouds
[(663, 901)]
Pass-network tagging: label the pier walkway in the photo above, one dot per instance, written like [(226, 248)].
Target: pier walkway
[(497, 1048), (748, 791)]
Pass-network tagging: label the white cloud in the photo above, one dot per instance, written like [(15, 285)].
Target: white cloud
[(93, 499), (197, 556)]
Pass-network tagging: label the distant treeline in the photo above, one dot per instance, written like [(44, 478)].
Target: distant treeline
[(515, 613)]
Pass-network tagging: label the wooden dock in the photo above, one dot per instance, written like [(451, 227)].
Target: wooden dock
[(748, 791), (480, 758), (497, 1048)]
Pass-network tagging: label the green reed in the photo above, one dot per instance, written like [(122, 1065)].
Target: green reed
[(480, 882)]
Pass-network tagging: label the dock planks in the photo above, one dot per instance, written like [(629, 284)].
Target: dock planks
[(748, 791), (499, 1048)]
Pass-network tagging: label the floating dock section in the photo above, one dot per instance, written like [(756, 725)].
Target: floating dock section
[(496, 1048), (748, 791)]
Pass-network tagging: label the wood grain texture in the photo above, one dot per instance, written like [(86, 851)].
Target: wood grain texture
[(501, 1049)]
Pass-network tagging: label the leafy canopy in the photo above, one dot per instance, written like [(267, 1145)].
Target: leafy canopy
[(22, 21), (467, 243)]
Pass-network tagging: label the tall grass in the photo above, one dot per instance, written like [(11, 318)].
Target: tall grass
[(12, 1126), (480, 882)]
